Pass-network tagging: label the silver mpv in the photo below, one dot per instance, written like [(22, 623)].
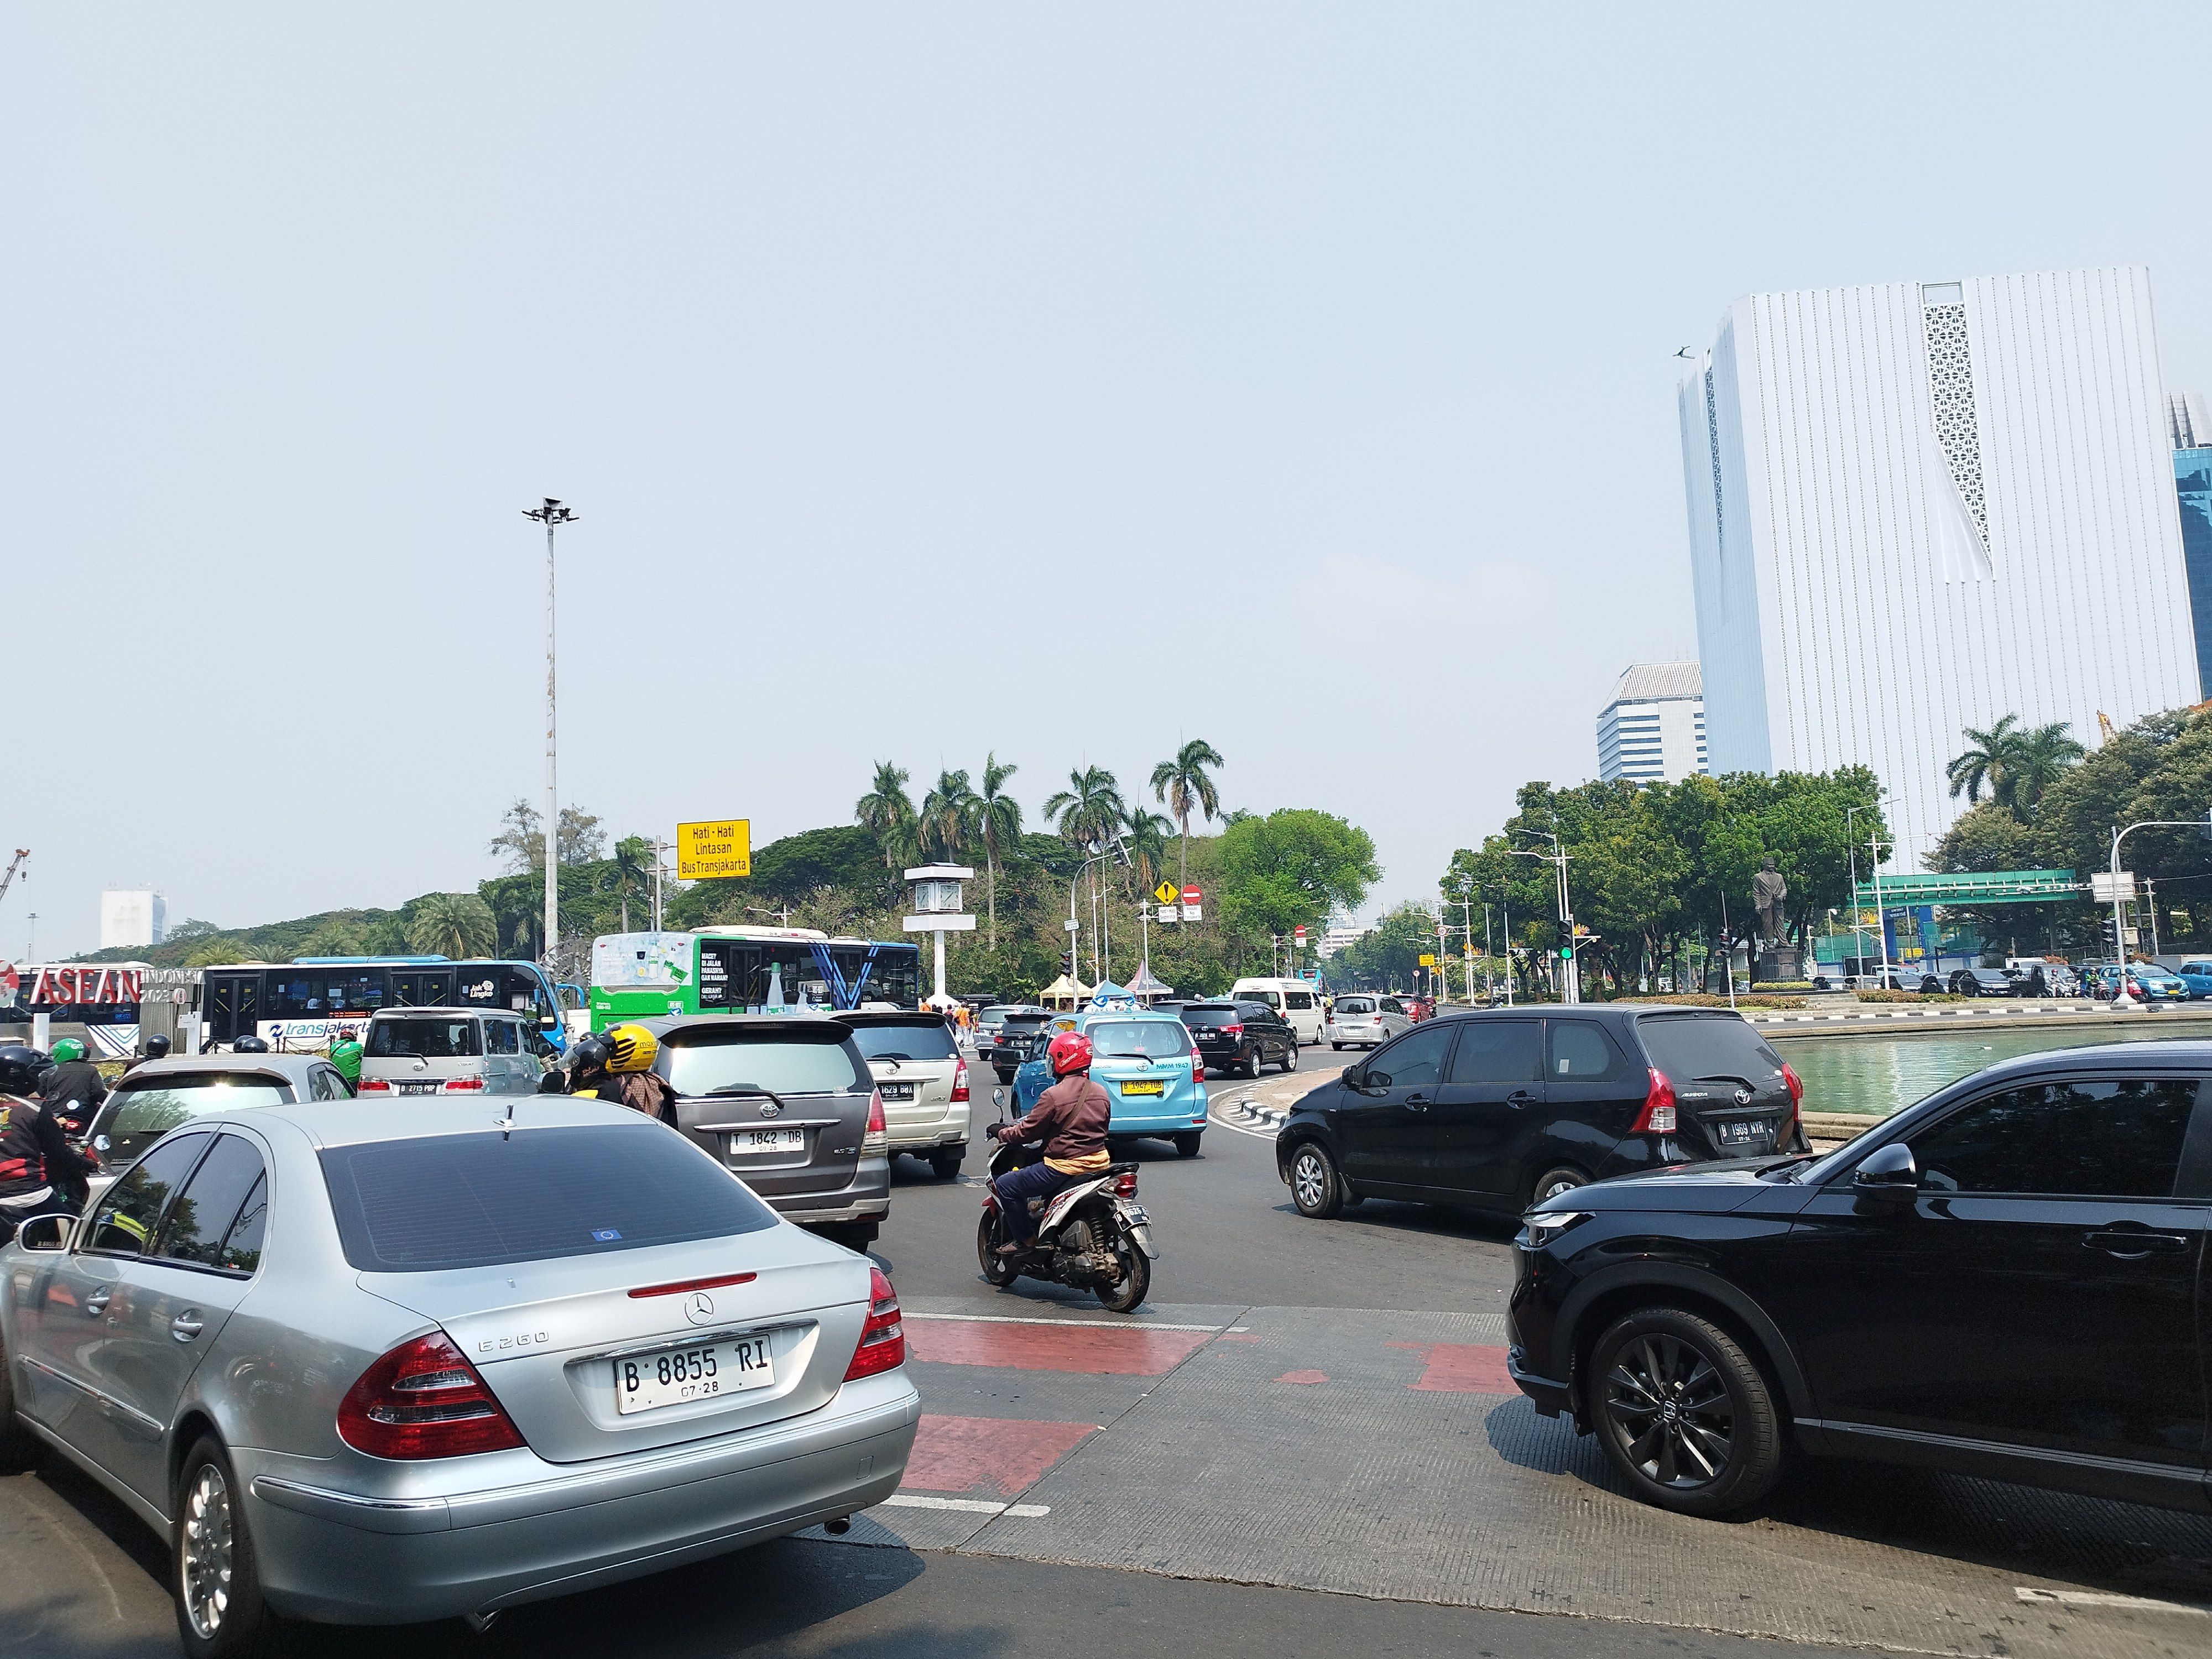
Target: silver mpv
[(379, 1363)]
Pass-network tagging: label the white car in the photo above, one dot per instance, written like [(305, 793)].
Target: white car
[(1295, 999), (923, 1081), (1364, 1021)]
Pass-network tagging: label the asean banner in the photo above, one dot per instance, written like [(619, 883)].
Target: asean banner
[(710, 852)]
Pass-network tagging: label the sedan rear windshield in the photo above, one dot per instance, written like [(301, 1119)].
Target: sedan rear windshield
[(422, 1039), (919, 1039), (1133, 1039), (797, 1060), (1355, 1005), (1215, 1013), (480, 1200), (1687, 1047), (136, 1117)]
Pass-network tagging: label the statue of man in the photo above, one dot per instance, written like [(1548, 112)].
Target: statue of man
[(1768, 890)]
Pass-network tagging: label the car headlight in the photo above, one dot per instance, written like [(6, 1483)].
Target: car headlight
[(1543, 1229)]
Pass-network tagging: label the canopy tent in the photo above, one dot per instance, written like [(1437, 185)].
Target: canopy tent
[(1112, 997), (1147, 988), (1064, 994)]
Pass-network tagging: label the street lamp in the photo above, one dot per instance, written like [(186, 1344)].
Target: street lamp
[(551, 514), (2203, 825), (1505, 925), (1571, 982)]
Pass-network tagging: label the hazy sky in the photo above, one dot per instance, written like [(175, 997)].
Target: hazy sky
[(1065, 380)]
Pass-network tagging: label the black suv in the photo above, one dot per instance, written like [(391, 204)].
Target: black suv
[(1496, 1109), (1241, 1037), (2006, 1280), (1005, 1052)]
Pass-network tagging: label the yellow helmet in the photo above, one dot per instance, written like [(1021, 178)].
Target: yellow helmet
[(631, 1047)]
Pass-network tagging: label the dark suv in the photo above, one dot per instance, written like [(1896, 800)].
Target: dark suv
[(1009, 1046), (1241, 1037), (2006, 1280), (1496, 1109)]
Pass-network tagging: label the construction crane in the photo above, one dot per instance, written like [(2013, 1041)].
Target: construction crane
[(14, 864)]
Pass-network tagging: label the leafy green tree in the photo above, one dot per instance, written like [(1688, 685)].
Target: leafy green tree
[(632, 875), (333, 939), (457, 924), (998, 826), (580, 839), (217, 953), (887, 812), (1091, 810), (1183, 785), (1294, 866), (1989, 836), (1987, 759), (1148, 847), (520, 843), (2039, 757)]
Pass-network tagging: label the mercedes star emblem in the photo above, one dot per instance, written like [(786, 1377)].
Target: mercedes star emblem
[(699, 1306)]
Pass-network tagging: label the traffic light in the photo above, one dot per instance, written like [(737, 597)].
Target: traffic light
[(1566, 936)]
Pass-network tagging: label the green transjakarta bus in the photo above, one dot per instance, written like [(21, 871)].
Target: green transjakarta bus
[(746, 970)]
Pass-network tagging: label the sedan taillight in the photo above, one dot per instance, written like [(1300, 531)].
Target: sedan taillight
[(878, 1139), (1657, 1117), (424, 1400), (883, 1338)]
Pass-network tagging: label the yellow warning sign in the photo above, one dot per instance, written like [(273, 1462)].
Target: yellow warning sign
[(1165, 892), (709, 852)]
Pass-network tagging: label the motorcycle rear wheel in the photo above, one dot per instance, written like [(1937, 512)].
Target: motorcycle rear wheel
[(998, 1270), (1136, 1279)]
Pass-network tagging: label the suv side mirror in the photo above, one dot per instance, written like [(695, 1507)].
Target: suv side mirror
[(1890, 1169), (46, 1232)]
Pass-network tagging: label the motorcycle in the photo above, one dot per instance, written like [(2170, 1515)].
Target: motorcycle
[(1095, 1236)]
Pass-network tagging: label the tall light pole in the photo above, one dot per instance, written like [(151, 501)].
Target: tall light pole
[(2121, 999), (551, 514)]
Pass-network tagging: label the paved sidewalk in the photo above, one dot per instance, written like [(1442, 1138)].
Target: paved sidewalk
[(1385, 1455)]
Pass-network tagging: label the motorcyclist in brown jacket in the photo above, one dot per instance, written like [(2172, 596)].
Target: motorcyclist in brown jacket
[(1070, 1118)]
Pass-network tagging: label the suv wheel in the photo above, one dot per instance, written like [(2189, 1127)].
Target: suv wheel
[(1315, 1187), (1290, 1056), (1683, 1414), (1552, 1182), (945, 1165)]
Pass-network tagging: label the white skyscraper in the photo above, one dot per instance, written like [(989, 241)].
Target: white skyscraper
[(130, 918), (1653, 727), (1920, 507)]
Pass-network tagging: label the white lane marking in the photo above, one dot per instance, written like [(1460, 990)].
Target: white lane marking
[(1244, 1129), (1084, 1324), (2099, 1599), (967, 1505)]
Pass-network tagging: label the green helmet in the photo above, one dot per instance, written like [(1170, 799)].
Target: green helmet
[(67, 1049)]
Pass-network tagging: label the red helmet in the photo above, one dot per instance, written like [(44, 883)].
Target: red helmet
[(1069, 1052)]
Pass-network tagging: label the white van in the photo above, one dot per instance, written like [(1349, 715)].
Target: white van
[(1295, 999)]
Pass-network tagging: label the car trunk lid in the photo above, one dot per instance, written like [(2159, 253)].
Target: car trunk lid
[(1731, 1094), (548, 1336)]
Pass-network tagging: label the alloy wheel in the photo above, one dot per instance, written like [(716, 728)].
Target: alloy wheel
[(209, 1551), (1310, 1174), (1671, 1409)]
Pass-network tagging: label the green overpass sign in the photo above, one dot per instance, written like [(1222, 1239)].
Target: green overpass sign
[(1989, 887)]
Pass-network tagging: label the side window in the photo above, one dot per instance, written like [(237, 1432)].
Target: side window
[(1417, 1058), (202, 1217), (241, 1246), (1581, 1052), (325, 1085), (2120, 1139), (1391, 1006), (502, 1038), (1299, 999), (1497, 1051), (124, 1223)]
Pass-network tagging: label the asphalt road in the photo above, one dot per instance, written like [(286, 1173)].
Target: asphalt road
[(1302, 1444)]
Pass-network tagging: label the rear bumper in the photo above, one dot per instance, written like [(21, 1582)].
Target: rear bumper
[(1178, 1117), (866, 1197), (344, 1558)]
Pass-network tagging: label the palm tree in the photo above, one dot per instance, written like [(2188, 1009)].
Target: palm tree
[(2041, 755), (999, 824), (457, 924), (332, 939), (888, 810), (1148, 845), (631, 868), (1090, 810), (1990, 761), (1182, 784), (948, 817)]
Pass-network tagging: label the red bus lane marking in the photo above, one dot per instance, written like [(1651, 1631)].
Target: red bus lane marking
[(1303, 1379), (1102, 1351), (1006, 1455), (1460, 1368)]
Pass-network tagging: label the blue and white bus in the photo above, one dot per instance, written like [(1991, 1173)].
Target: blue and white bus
[(302, 1005)]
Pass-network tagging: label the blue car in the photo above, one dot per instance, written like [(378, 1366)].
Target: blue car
[(1145, 1062), (2197, 977)]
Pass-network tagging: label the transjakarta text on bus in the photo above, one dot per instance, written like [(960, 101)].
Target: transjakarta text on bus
[(746, 970)]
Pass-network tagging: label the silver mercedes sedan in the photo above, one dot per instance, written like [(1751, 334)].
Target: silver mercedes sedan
[(374, 1365)]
